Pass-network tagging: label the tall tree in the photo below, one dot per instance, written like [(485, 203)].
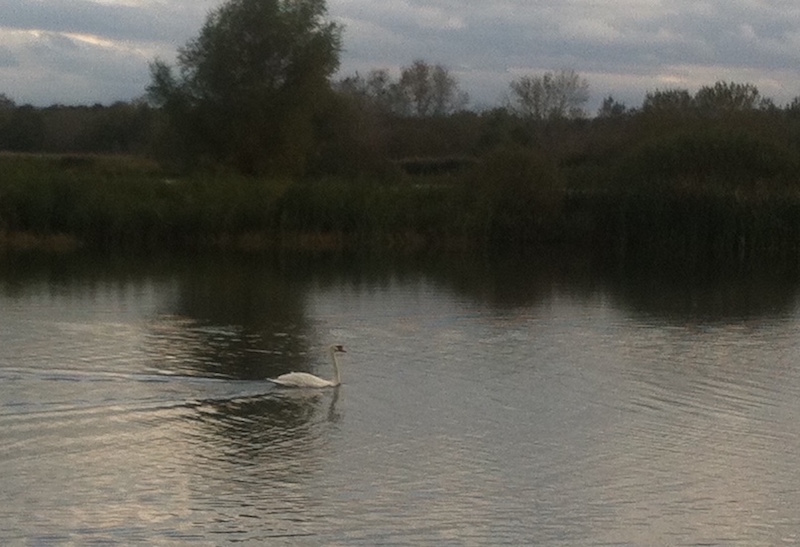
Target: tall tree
[(727, 97), (25, 130), (248, 86), (423, 90), (7, 106), (552, 95), (430, 90), (611, 108), (378, 90), (6, 103), (668, 101)]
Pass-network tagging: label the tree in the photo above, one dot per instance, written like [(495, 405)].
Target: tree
[(430, 90), (727, 97), (793, 108), (6, 103), (611, 108), (377, 91), (722, 98), (7, 107), (423, 90), (668, 100), (248, 86), (552, 95), (24, 130)]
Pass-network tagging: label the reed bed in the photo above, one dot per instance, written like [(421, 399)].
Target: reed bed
[(646, 205)]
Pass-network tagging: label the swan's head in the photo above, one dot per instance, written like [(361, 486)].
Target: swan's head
[(338, 348)]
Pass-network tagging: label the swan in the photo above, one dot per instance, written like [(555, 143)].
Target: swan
[(304, 379)]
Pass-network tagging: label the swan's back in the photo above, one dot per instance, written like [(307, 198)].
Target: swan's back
[(301, 379), (304, 379)]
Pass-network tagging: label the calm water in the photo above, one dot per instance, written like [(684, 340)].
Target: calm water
[(482, 405)]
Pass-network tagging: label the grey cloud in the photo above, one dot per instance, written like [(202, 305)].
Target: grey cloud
[(7, 58), (46, 63), (627, 46), (637, 40), (54, 68), (157, 22)]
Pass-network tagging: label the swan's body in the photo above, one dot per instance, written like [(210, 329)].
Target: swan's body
[(304, 379)]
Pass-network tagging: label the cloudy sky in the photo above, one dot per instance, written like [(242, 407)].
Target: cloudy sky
[(87, 51)]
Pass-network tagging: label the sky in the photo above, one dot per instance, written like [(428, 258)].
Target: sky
[(98, 51)]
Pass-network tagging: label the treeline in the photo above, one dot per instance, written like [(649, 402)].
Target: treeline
[(421, 121), (125, 128)]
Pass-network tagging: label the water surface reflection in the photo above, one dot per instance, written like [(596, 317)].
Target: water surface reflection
[(547, 401)]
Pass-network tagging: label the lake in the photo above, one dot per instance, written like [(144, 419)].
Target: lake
[(484, 403)]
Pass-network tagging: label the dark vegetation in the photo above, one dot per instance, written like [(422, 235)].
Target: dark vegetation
[(258, 148)]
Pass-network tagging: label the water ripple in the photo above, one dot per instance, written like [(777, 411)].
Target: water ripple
[(568, 422)]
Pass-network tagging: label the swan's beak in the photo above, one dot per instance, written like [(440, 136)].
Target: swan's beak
[(340, 349)]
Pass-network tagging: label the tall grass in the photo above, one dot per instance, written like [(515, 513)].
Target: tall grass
[(706, 158), (421, 213), (708, 196), (124, 206), (519, 193), (680, 199), (130, 208)]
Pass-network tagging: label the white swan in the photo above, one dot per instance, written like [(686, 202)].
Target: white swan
[(304, 379)]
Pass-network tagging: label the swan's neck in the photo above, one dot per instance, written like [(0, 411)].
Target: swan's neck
[(336, 378)]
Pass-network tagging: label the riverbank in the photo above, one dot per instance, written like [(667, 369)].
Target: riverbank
[(513, 200)]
